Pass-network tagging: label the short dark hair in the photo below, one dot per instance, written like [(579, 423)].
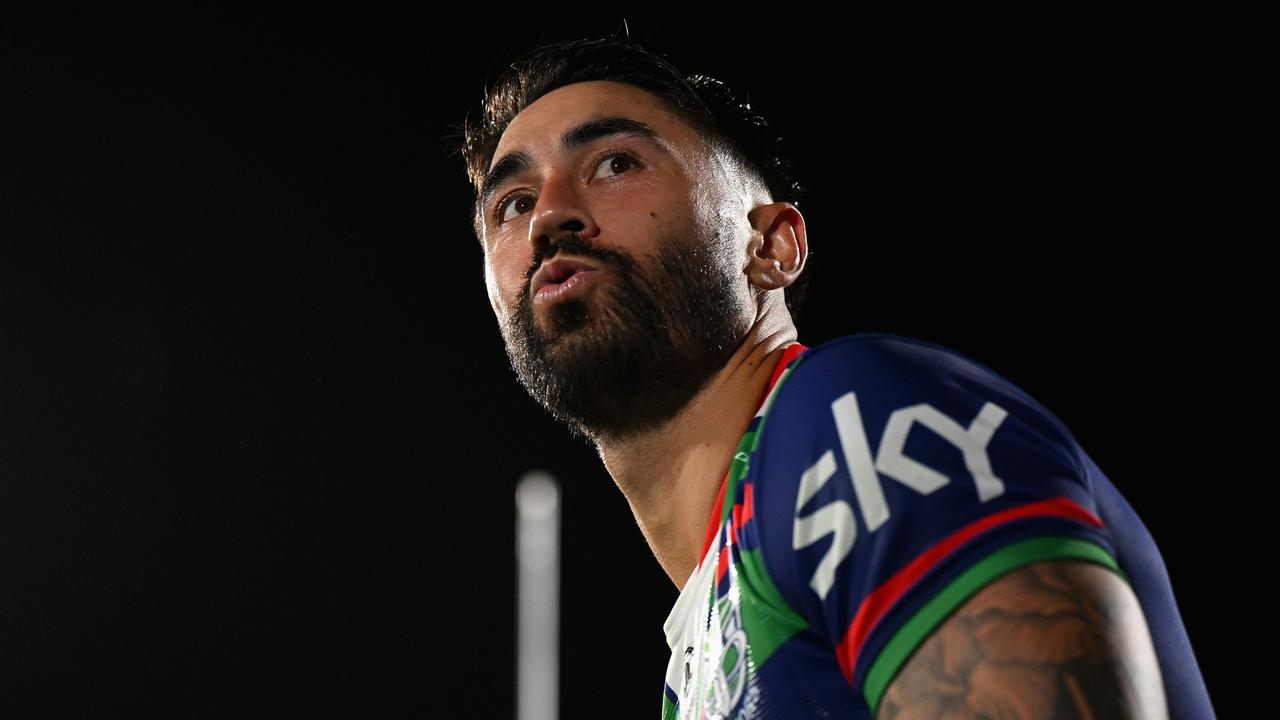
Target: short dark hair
[(705, 103)]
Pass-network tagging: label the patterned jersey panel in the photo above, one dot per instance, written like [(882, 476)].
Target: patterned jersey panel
[(892, 479)]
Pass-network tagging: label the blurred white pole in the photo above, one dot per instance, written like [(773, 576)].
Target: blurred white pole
[(538, 595)]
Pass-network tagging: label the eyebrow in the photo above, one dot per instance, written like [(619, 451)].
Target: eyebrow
[(518, 161)]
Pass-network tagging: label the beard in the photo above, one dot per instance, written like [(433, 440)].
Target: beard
[(626, 356)]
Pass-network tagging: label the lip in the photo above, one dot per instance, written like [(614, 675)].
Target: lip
[(575, 284), (557, 271)]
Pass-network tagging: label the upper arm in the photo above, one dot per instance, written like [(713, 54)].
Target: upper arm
[(1058, 638)]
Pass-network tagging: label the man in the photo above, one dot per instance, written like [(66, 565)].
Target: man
[(874, 527)]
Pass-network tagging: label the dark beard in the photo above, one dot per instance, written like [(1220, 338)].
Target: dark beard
[(627, 356)]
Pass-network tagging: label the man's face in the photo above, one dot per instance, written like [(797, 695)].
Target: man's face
[(668, 302)]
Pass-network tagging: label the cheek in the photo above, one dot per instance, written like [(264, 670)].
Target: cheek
[(491, 286), (504, 279)]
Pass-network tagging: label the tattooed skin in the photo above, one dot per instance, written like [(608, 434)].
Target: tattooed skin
[(1054, 639)]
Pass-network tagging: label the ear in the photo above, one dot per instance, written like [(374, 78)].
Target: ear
[(778, 247)]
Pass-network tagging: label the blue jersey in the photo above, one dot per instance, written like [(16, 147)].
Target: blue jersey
[(881, 483)]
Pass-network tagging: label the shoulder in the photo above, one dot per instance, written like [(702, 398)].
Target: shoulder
[(878, 375), (873, 359)]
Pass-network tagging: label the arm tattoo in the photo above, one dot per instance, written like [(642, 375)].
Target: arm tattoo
[(1054, 639)]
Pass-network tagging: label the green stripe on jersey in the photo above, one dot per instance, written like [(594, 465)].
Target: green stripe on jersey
[(766, 616)]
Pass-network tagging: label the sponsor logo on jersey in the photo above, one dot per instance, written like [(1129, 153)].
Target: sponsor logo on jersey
[(865, 471)]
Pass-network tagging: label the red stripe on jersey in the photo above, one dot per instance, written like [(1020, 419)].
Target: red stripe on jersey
[(722, 562), (744, 511), (875, 605)]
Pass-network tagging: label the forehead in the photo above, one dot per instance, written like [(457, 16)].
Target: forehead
[(537, 129)]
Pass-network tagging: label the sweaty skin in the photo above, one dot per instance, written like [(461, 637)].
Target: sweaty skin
[(666, 227)]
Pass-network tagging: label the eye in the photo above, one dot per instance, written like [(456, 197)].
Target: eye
[(614, 156), (513, 200), (609, 159)]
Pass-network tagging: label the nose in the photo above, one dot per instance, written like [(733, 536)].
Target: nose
[(560, 208)]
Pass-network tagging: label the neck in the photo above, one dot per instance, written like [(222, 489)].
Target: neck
[(672, 475)]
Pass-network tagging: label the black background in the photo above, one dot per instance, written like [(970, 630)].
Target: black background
[(258, 434)]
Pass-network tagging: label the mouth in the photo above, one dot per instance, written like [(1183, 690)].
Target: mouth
[(575, 284), (557, 273)]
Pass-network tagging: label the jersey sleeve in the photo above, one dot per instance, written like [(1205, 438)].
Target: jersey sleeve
[(894, 478)]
